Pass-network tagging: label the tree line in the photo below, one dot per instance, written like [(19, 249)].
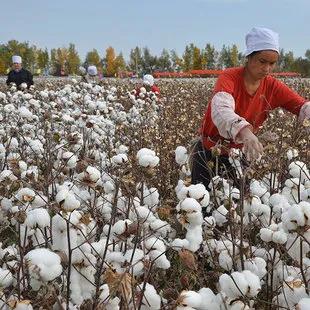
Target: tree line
[(66, 60)]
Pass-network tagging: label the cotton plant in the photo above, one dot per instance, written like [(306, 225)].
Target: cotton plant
[(44, 266), (147, 158), (190, 217), (292, 292)]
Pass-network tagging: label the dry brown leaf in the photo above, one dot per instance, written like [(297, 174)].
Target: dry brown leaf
[(188, 259)]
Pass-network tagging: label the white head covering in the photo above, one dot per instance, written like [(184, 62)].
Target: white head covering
[(260, 39), (148, 80), (16, 59), (92, 70)]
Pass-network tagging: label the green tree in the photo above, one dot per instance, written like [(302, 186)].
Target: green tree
[(136, 60), (196, 58), (234, 56), (93, 58), (176, 61), (42, 59), (73, 61), (120, 64), (164, 62), (211, 55)]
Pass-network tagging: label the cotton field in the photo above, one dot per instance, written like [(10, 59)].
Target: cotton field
[(97, 210)]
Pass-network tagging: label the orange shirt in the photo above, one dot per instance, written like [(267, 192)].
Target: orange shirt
[(270, 94)]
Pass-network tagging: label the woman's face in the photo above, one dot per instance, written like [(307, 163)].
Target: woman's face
[(262, 63)]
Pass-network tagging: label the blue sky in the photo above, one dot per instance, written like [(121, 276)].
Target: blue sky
[(158, 24)]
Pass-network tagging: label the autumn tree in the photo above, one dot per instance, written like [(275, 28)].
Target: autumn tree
[(93, 58), (73, 61)]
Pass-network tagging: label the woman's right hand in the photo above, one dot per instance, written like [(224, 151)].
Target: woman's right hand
[(252, 148)]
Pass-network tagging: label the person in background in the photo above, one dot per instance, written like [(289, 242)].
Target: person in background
[(92, 74), (240, 103), (149, 84), (19, 75)]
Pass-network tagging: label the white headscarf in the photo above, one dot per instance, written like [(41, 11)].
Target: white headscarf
[(148, 79), (260, 39), (92, 70), (16, 59)]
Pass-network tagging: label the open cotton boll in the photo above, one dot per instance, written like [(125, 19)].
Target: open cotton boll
[(136, 257), (254, 285), (197, 191), (220, 215), (141, 213), (159, 258), (38, 217), (179, 244), (151, 197), (293, 218), (154, 243), (160, 227), (194, 236), (44, 265), (6, 278), (147, 158), (7, 175), (25, 195), (25, 113), (119, 159), (151, 300), (257, 188), (70, 158), (291, 153), (121, 149), (298, 169), (235, 285), (190, 299), (257, 265), (181, 155), (93, 173), (120, 227), (67, 200), (209, 300), (225, 260)]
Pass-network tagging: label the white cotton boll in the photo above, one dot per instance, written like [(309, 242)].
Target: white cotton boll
[(109, 187), (254, 285), (147, 158), (44, 263), (236, 288), (141, 213), (135, 256), (257, 188), (6, 278), (119, 159), (7, 175), (151, 300), (23, 305), (154, 243), (94, 173), (13, 144), (70, 158), (25, 113), (194, 237), (196, 191), (279, 237), (120, 227), (293, 218), (303, 304), (220, 215), (189, 205), (291, 153), (225, 261), (25, 194), (266, 234), (151, 197), (305, 208), (179, 244), (190, 299), (38, 217), (160, 227), (181, 155), (209, 300), (122, 149), (159, 258), (298, 169), (239, 305), (257, 265)]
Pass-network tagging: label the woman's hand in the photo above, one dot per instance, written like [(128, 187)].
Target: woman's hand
[(252, 148)]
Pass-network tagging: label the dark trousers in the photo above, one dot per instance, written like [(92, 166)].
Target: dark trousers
[(204, 166)]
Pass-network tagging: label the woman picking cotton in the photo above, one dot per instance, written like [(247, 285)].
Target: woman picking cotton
[(240, 104)]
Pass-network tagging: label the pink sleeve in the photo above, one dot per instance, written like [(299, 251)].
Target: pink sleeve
[(224, 117), (304, 112)]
